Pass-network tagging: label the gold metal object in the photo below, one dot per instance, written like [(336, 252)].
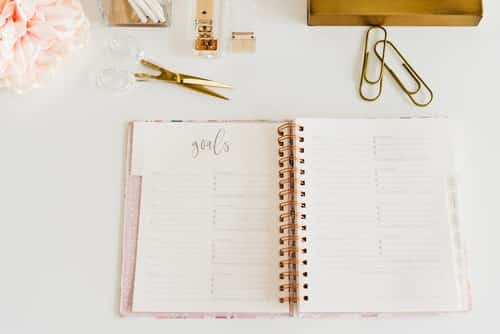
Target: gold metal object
[(411, 71), (243, 42), (395, 12), (205, 39), (292, 217), (364, 78), (195, 83)]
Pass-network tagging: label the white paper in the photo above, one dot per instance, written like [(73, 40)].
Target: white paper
[(208, 225), (379, 239)]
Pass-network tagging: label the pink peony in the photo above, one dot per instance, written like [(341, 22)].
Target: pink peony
[(35, 35)]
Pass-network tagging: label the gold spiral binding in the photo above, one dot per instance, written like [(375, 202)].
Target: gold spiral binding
[(289, 171), (286, 127), (288, 262), (284, 160), (289, 204), (285, 192), (284, 149), (292, 217), (288, 238), (283, 139), (288, 299), (289, 251), (289, 287)]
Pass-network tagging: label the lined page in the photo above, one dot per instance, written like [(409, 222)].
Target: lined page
[(207, 235), (379, 238)]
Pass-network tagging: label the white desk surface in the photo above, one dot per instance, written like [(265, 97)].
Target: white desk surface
[(62, 151)]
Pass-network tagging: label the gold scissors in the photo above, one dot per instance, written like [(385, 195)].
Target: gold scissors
[(195, 83)]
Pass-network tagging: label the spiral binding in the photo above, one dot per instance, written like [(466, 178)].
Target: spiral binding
[(292, 213)]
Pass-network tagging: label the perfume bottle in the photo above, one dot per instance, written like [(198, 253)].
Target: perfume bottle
[(207, 20)]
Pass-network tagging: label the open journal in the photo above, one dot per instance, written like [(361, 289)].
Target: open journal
[(309, 217)]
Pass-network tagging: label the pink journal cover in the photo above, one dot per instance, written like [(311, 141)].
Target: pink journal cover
[(130, 229)]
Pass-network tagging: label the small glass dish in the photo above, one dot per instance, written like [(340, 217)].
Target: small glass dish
[(122, 57)]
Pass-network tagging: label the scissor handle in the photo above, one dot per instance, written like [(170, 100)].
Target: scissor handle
[(164, 74), (149, 64)]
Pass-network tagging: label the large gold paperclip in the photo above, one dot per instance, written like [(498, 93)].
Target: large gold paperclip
[(364, 78), (411, 71)]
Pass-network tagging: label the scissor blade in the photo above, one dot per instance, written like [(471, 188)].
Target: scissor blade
[(205, 90), (204, 82), (145, 76)]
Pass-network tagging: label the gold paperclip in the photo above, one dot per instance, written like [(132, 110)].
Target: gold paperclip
[(364, 77), (415, 76)]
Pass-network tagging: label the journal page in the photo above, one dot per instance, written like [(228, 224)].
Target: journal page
[(379, 237), (207, 240)]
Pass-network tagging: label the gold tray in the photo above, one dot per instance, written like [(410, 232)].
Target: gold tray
[(395, 12)]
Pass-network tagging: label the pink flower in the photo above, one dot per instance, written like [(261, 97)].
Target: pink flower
[(35, 35)]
